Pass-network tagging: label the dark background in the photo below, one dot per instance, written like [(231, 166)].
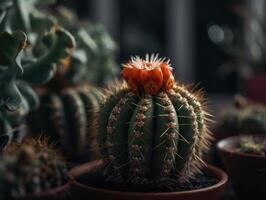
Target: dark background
[(176, 29)]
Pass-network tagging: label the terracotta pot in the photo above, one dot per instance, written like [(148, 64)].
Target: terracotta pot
[(80, 190), (59, 193), (246, 171)]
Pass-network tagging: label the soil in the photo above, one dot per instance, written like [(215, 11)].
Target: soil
[(98, 180)]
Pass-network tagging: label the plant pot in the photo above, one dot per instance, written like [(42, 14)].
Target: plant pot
[(254, 88), (80, 190), (59, 193), (246, 171)]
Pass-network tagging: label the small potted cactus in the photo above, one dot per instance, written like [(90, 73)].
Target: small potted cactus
[(244, 158), (33, 169), (244, 117), (152, 133)]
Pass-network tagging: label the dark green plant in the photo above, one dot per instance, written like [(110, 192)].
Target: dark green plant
[(26, 60), (152, 130), (30, 168), (70, 90), (243, 118), (93, 59), (67, 118)]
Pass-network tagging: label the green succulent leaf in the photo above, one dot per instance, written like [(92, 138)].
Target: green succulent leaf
[(11, 94), (43, 68), (11, 46), (4, 4)]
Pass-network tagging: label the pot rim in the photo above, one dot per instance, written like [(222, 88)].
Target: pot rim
[(50, 192), (218, 173), (221, 145)]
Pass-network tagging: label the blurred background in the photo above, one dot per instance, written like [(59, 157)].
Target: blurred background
[(207, 41)]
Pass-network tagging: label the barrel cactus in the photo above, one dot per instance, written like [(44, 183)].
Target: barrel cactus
[(151, 129), (66, 116), (30, 168)]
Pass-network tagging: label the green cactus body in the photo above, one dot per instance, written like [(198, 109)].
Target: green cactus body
[(153, 137), (30, 168), (243, 118), (67, 117)]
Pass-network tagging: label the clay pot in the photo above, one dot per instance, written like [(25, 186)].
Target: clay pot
[(59, 193), (246, 171), (80, 190)]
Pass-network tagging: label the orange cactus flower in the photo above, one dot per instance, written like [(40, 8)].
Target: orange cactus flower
[(152, 80), (168, 78), (150, 75), (132, 77)]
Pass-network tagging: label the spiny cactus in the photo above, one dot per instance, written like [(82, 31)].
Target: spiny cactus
[(248, 144), (151, 128), (243, 118), (30, 168), (67, 118)]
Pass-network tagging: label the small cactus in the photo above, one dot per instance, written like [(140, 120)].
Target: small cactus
[(152, 129), (243, 118), (248, 144), (66, 116), (30, 168)]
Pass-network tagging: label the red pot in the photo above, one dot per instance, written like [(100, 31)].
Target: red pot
[(246, 171), (59, 193), (81, 191)]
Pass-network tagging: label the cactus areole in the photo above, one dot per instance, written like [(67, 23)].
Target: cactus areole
[(152, 130)]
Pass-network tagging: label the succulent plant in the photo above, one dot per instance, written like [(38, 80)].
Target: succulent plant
[(3, 6), (93, 59), (66, 116), (26, 58), (152, 129), (30, 168), (244, 118)]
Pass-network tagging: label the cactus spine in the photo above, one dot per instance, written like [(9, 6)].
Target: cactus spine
[(30, 168), (67, 118), (152, 129)]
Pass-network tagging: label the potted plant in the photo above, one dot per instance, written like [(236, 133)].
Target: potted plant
[(244, 117), (152, 132), (244, 158), (33, 169)]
